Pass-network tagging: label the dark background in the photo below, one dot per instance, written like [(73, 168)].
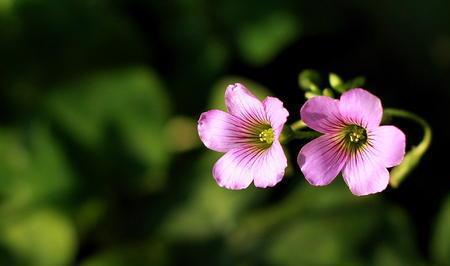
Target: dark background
[(100, 163)]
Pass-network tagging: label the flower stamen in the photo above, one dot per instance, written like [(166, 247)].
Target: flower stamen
[(267, 136), (355, 137)]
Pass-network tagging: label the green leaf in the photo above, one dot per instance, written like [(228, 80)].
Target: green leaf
[(33, 168), (335, 80), (131, 101), (357, 234), (325, 226), (89, 214), (309, 95), (340, 86), (309, 80), (152, 253), (85, 106), (257, 225), (6, 6), (49, 163), (328, 92), (261, 40), (440, 245), (397, 246), (355, 82), (181, 134), (293, 244), (385, 255), (210, 210), (43, 238)]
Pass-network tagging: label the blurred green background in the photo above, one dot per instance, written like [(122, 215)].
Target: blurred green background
[(100, 163)]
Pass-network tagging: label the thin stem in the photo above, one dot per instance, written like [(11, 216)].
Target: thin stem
[(298, 125), (295, 131), (306, 134), (413, 157)]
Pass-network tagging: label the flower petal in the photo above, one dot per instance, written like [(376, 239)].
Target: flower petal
[(243, 104), (234, 169), (220, 131), (276, 114), (361, 107), (388, 143), (365, 174), (269, 167), (321, 113), (321, 160)]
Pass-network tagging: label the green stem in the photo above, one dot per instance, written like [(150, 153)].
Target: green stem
[(298, 125), (295, 131), (306, 134), (413, 157)]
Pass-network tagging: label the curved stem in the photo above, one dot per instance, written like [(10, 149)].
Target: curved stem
[(413, 157)]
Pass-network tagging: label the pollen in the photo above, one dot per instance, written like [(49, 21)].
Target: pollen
[(267, 136), (355, 137)]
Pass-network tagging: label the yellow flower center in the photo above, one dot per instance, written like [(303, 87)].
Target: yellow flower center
[(267, 136)]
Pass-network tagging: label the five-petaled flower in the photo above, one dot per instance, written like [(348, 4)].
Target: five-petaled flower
[(248, 134), (353, 141)]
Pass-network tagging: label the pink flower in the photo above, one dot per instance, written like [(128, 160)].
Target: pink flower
[(353, 141), (248, 135)]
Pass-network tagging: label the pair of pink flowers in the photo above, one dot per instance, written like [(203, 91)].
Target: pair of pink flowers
[(352, 142)]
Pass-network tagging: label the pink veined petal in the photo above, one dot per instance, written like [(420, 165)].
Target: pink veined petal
[(321, 113), (359, 106), (388, 143), (234, 169), (243, 104), (269, 167), (321, 160), (365, 174), (220, 131), (276, 114)]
